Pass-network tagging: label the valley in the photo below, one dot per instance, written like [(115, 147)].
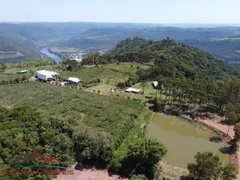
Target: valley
[(115, 118)]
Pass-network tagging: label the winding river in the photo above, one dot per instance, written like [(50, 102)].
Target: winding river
[(45, 51), (183, 140)]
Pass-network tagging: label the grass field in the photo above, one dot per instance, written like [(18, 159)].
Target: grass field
[(33, 69), (101, 113), (8, 77), (91, 73), (109, 74), (129, 67)]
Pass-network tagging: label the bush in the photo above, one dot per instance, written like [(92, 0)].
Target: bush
[(121, 85)]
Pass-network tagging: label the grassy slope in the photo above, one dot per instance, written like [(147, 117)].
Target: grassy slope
[(8, 77), (34, 69), (109, 74), (128, 67), (109, 114), (88, 74)]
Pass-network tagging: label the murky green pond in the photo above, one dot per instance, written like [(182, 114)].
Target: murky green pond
[(183, 139)]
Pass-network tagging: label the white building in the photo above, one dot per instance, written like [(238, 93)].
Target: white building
[(45, 75), (133, 90), (74, 80)]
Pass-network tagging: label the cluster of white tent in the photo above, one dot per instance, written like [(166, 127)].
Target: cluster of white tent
[(45, 75)]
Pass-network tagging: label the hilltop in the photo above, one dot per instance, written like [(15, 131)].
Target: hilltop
[(172, 59)]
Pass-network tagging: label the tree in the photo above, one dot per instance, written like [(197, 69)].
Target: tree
[(234, 142), (229, 172), (143, 84), (208, 167), (143, 156)]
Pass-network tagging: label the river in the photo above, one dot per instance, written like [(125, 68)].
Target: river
[(183, 140), (45, 51)]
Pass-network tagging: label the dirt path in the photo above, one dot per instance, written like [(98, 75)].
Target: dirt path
[(88, 174), (228, 131)]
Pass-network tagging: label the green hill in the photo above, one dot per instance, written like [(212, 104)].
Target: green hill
[(172, 59)]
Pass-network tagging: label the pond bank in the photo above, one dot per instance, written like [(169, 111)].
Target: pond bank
[(184, 138), (228, 132)]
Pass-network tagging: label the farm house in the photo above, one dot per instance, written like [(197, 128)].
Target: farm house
[(45, 75)]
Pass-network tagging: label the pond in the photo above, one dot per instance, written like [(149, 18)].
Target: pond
[(183, 139)]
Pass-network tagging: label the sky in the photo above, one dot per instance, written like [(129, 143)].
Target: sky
[(139, 11)]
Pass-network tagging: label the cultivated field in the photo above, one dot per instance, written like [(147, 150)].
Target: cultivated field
[(100, 113), (128, 67), (109, 75), (63, 50), (10, 54)]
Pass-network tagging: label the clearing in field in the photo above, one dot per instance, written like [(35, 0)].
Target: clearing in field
[(8, 77)]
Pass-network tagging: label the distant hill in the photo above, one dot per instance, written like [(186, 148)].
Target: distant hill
[(172, 59), (16, 48), (101, 38), (18, 41), (21, 38), (227, 49)]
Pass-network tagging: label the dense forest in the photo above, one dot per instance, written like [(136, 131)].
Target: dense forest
[(227, 49)]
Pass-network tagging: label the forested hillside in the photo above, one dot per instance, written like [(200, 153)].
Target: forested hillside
[(171, 59), (227, 49)]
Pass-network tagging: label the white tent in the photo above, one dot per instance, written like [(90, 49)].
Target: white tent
[(45, 75), (23, 71), (133, 90), (74, 80), (155, 83)]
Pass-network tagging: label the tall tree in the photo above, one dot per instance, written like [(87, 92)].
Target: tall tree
[(208, 167)]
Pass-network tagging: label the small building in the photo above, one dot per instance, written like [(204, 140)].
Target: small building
[(133, 90), (74, 80), (46, 75), (22, 71)]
